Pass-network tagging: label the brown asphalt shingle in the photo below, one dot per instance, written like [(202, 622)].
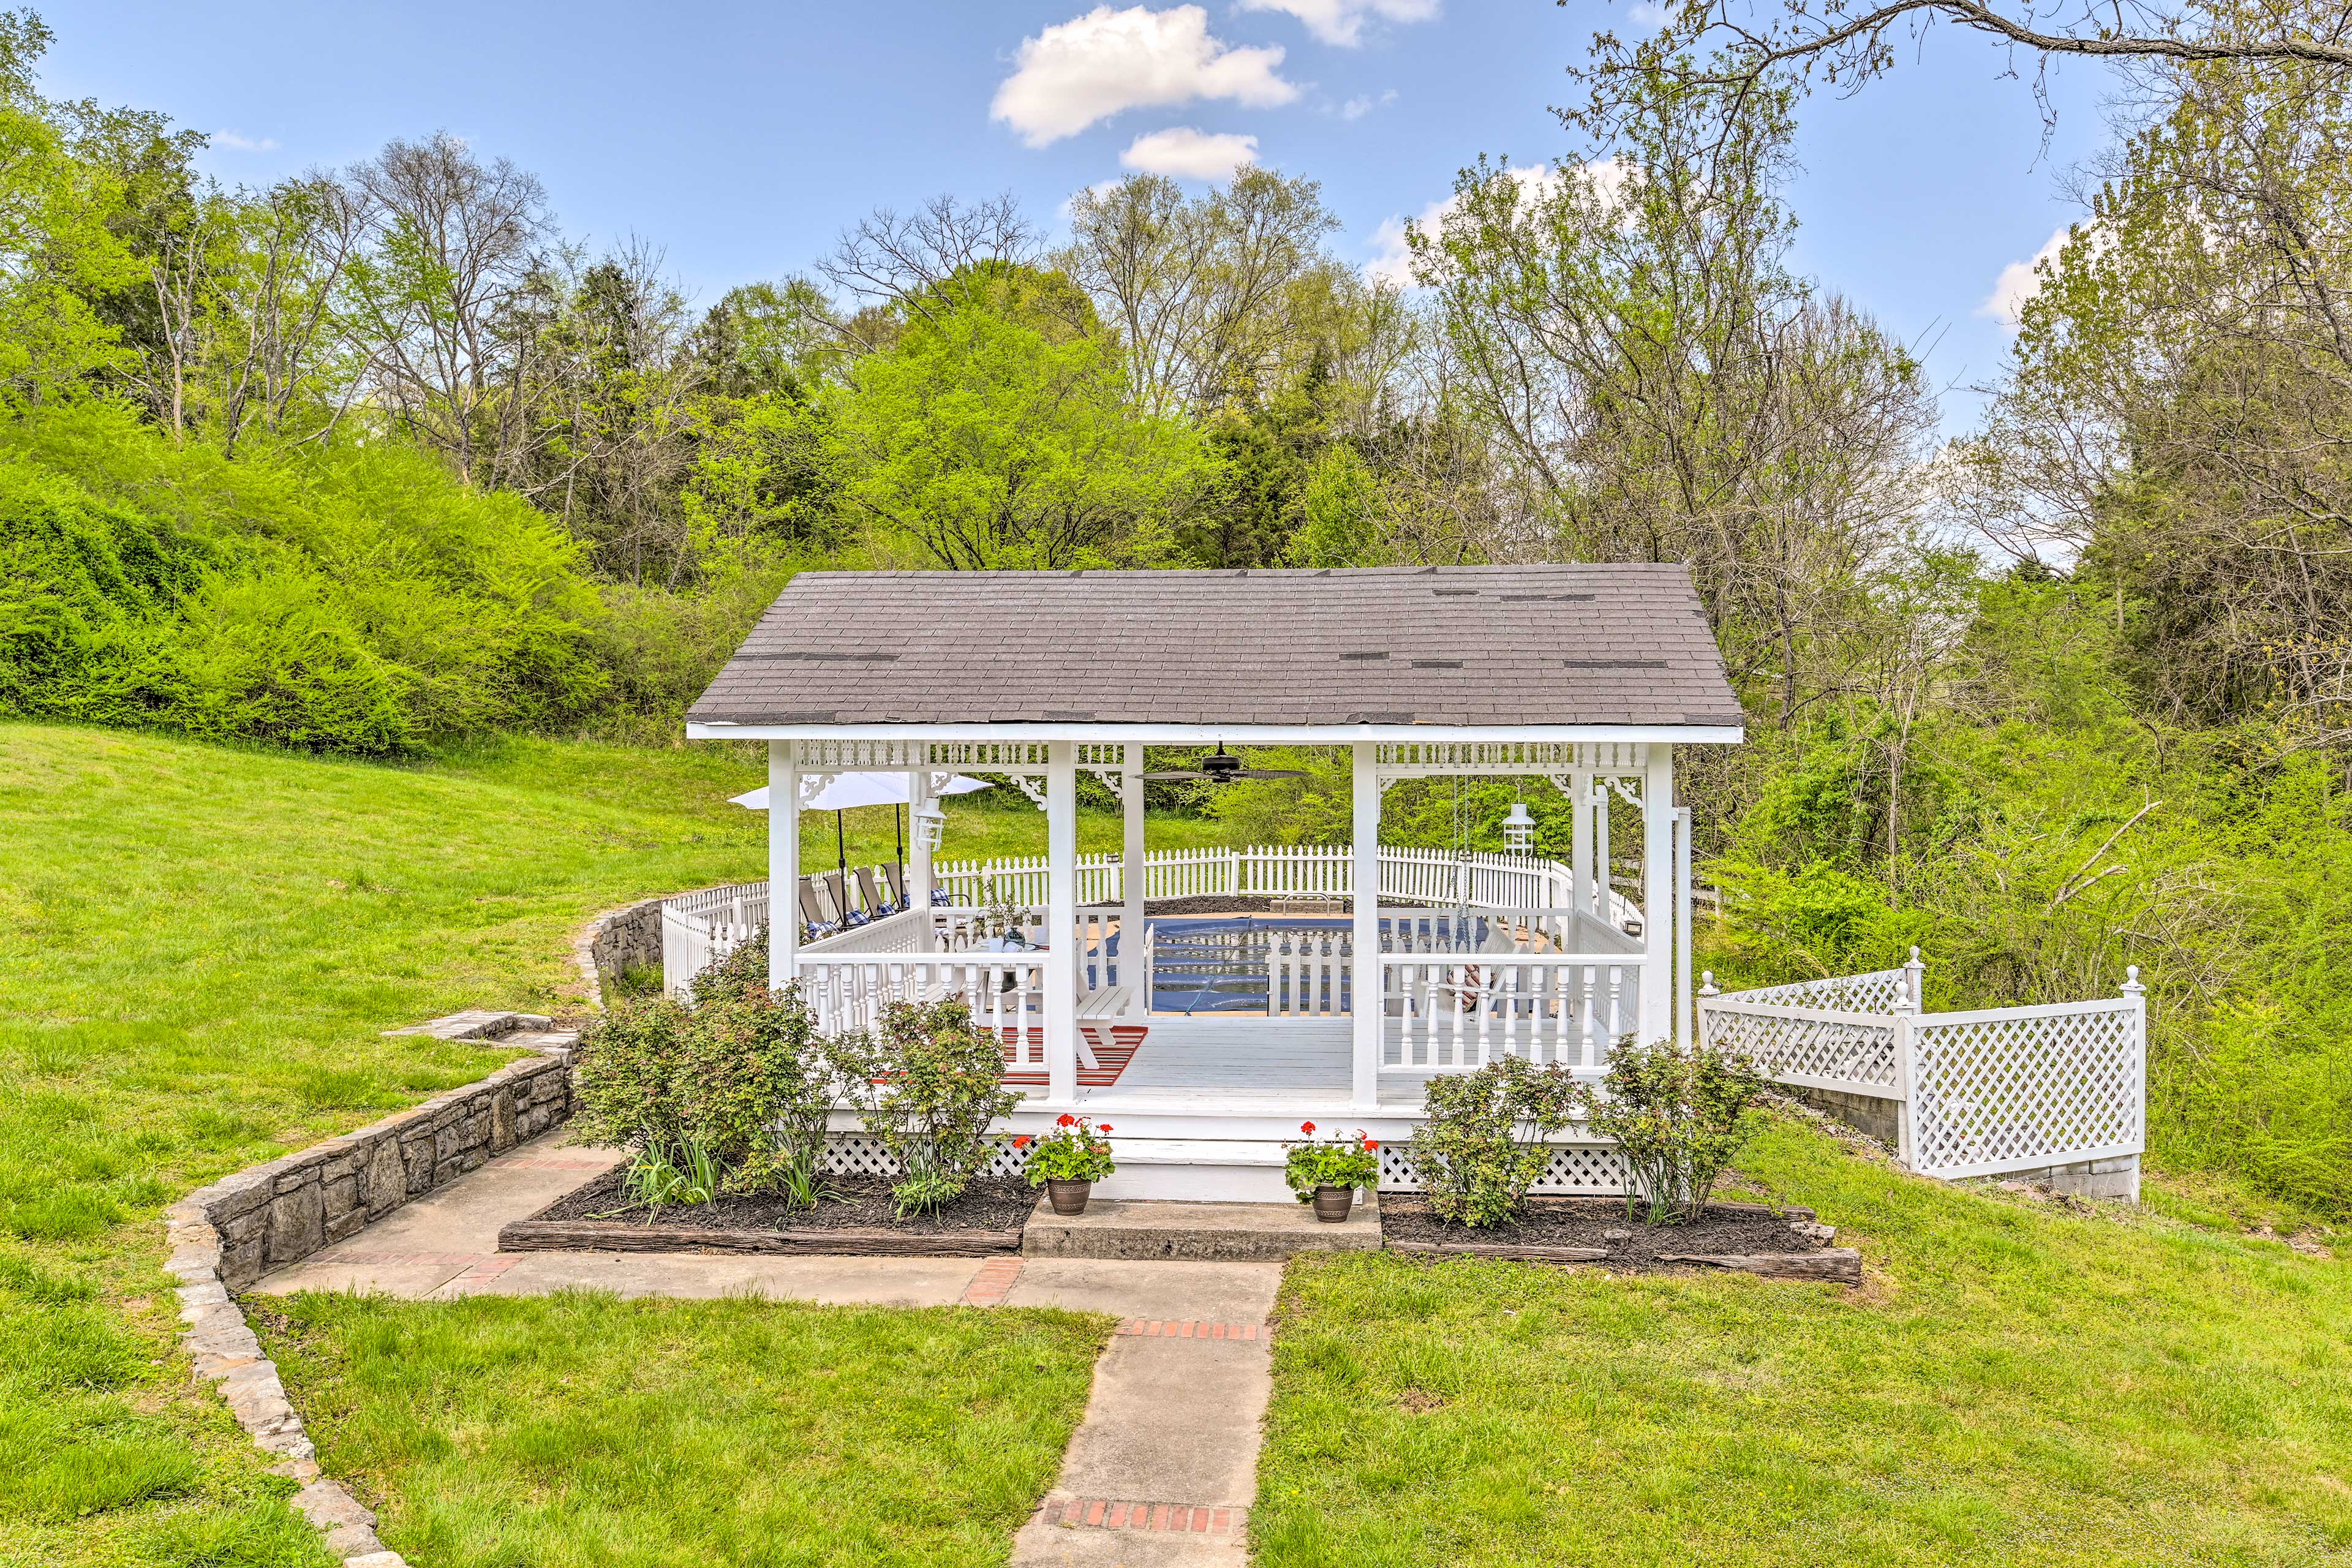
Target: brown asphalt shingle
[(1387, 645)]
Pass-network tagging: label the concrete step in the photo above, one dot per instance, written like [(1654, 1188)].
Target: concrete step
[(1139, 1229), (478, 1023)]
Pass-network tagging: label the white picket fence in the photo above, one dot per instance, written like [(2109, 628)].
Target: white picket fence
[(1978, 1093), (1313, 870), (700, 927)]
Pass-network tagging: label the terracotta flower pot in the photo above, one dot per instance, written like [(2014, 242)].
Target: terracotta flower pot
[(1068, 1197), (1332, 1204)]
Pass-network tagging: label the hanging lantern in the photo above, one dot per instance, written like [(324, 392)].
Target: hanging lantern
[(926, 823), (1519, 830)]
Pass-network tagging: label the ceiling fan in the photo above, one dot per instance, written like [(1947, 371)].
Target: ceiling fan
[(1221, 766)]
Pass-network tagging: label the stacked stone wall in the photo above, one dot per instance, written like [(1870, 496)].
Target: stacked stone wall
[(281, 1213)]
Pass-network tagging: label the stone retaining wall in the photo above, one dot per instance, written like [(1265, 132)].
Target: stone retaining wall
[(281, 1213), (624, 939)]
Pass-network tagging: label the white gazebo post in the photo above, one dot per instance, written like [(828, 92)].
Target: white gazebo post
[(1658, 895), (918, 857), (1368, 983), (783, 863), (1579, 853), (1132, 968), (1060, 1002)]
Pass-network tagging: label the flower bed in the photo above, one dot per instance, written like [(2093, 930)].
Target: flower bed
[(860, 1216), (1782, 1243)]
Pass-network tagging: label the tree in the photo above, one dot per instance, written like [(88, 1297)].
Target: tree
[(1741, 45), (2178, 413), (1668, 390), (978, 444), (58, 255), (1216, 301), (447, 301)]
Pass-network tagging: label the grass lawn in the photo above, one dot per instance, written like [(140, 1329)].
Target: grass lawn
[(201, 945), (2018, 1383), (579, 1429)]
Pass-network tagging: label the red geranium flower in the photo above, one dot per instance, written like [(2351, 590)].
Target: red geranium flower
[(1370, 1145), (1104, 1128), (1307, 1128), (1067, 1121), (1022, 1141)]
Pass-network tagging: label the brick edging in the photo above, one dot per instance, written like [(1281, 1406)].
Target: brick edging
[(1166, 1518)]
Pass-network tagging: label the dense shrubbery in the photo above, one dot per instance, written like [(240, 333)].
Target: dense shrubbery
[(355, 599), (738, 1084), (931, 1084), (1481, 1147), (1679, 1118)]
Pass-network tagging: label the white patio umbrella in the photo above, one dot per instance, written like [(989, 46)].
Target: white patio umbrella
[(847, 790)]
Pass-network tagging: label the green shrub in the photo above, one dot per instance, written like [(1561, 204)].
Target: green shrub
[(930, 1086), (735, 973), (1481, 1147), (740, 1079), (1679, 1118)]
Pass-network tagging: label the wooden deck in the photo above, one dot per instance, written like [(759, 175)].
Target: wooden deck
[(1248, 1062)]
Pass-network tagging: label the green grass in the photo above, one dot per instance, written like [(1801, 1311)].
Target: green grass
[(199, 948), (2017, 1384), (579, 1429)]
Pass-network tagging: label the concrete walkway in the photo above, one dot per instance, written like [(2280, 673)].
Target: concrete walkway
[(1162, 1470)]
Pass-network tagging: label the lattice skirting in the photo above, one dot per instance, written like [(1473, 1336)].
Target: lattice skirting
[(862, 1155), (1575, 1169)]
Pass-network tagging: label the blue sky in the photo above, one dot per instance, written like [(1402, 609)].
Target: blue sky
[(741, 137)]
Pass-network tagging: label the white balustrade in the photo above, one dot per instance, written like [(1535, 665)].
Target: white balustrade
[(1004, 991), (1457, 1014)]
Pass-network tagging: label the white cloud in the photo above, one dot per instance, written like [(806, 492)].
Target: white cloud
[(236, 141), (1645, 15), (1392, 259), (2019, 282), (1342, 22), (1193, 154), (1364, 103), (1093, 67)]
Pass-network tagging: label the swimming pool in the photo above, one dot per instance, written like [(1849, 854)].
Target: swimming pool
[(1220, 965)]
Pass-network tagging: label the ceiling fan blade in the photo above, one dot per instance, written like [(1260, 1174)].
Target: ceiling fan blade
[(1173, 775), (1272, 773)]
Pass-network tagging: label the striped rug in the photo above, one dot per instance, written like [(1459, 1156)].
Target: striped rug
[(1117, 1049)]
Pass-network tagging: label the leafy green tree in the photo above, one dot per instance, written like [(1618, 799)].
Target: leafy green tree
[(978, 444), (59, 251)]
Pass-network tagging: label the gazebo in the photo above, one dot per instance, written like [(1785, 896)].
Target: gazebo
[(1582, 678)]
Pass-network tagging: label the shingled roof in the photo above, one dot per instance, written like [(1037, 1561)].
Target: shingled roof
[(1460, 646)]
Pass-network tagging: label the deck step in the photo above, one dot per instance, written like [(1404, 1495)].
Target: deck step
[(1134, 1229)]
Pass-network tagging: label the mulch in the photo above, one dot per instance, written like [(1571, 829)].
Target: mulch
[(1725, 1229), (859, 1203)]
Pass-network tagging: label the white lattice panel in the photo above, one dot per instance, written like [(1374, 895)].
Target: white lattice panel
[(2026, 1087), (1824, 1048), (1574, 1169), (862, 1155), (1877, 992)]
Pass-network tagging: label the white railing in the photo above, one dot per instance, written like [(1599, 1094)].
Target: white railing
[(1326, 870), (1457, 1014), (1977, 1093), (1006, 992), (700, 927), (1306, 974)]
